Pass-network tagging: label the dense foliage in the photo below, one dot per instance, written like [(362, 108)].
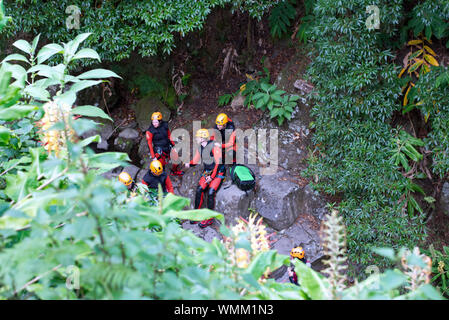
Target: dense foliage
[(120, 27), (357, 93)]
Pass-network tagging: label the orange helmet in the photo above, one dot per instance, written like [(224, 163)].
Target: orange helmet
[(203, 133), (297, 252), (156, 116), (156, 167), (222, 119), (125, 178)]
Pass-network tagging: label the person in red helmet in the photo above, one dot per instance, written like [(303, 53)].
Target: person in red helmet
[(213, 173), (226, 127), (161, 144)]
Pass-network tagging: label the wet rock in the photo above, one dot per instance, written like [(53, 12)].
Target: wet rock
[(312, 203), (189, 183), (144, 153), (105, 129), (207, 234), (277, 200), (123, 145), (132, 170), (145, 107), (129, 133), (443, 203), (233, 202), (237, 102)]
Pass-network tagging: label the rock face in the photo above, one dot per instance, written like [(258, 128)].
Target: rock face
[(132, 170), (207, 234), (277, 200), (443, 203), (145, 107), (189, 183)]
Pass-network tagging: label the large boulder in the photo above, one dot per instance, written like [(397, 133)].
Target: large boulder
[(233, 202), (189, 183), (126, 140), (312, 203), (144, 154), (277, 200), (145, 107)]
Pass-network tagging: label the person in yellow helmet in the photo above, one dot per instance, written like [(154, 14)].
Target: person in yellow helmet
[(155, 176), (296, 253), (213, 174), (126, 179), (226, 139), (161, 144)]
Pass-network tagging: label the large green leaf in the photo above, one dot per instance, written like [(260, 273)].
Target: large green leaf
[(16, 112), (91, 111), (5, 135), (48, 51), (311, 282), (98, 74), (195, 215), (23, 45), (174, 202), (266, 259), (87, 53)]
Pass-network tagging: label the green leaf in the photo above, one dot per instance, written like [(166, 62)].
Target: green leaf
[(5, 135), (91, 111), (23, 45), (16, 112), (174, 202), (313, 283), (196, 215), (87, 53), (98, 74), (89, 140), (385, 252), (47, 51), (16, 57), (266, 259)]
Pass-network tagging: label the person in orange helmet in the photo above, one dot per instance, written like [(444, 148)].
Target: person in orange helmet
[(213, 174), (296, 253), (161, 144), (226, 127)]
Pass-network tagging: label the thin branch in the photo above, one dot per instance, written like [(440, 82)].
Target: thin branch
[(37, 279)]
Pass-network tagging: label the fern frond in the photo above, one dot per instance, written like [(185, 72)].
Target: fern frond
[(280, 18)]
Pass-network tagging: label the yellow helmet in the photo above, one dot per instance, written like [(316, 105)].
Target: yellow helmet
[(222, 119), (297, 252), (125, 178), (156, 167), (156, 116), (203, 133)]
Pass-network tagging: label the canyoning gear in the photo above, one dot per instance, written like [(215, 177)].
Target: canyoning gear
[(156, 116), (161, 144), (294, 278), (205, 223), (153, 181), (175, 171), (156, 167), (243, 177), (221, 119), (297, 252), (203, 133), (227, 132), (210, 156), (125, 178)]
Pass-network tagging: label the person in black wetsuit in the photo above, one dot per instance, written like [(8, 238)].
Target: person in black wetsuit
[(160, 143)]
